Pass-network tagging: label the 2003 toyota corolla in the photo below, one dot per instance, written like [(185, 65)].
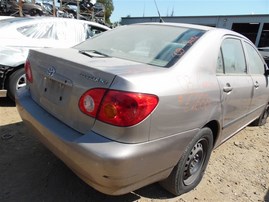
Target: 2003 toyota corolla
[(144, 103)]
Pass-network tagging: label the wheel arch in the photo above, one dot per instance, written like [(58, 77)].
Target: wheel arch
[(9, 73), (215, 128)]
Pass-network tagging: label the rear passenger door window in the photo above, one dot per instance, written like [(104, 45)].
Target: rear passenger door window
[(255, 63), (233, 56)]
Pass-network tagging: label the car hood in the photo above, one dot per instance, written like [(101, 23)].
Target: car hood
[(13, 56), (14, 52)]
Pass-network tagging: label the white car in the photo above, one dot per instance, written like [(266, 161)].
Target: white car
[(18, 35), (5, 17)]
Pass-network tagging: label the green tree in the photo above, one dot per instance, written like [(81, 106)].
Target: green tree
[(109, 9)]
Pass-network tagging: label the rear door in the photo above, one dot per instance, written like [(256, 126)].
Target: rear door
[(236, 86), (256, 68)]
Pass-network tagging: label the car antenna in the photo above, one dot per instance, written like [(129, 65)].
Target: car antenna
[(161, 20)]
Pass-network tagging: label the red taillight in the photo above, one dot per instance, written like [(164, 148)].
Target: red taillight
[(90, 101), (118, 108), (28, 71)]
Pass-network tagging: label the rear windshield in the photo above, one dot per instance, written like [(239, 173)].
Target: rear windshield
[(149, 44)]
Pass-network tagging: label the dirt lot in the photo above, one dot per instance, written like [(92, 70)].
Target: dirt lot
[(238, 170)]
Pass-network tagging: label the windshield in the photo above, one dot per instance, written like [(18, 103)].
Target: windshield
[(149, 44)]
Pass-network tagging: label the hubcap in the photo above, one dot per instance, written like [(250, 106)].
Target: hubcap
[(195, 162), (21, 82)]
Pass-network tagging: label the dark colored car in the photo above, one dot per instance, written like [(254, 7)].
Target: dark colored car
[(11, 7)]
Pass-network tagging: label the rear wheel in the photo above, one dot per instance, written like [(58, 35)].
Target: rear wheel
[(16, 81), (190, 169)]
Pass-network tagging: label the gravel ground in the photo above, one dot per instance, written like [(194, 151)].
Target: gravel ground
[(238, 170)]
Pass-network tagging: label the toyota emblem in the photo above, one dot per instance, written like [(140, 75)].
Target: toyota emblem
[(51, 71)]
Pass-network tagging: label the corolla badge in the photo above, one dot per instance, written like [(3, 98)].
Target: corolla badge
[(51, 71), (91, 77)]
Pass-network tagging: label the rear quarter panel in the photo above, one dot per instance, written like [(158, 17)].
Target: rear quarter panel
[(189, 95)]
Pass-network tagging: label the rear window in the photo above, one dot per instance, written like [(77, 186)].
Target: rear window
[(150, 44)]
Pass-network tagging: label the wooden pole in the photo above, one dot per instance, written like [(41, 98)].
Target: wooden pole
[(20, 8), (54, 10)]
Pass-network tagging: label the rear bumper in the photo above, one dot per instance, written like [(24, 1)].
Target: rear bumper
[(110, 167)]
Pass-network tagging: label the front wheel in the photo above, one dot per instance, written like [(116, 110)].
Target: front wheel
[(190, 169), (16, 81)]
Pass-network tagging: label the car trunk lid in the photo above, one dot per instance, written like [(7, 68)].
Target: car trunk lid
[(60, 77)]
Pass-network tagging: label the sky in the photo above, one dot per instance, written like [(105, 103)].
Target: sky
[(140, 8)]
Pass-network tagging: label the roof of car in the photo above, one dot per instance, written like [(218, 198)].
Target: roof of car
[(194, 26), (201, 27)]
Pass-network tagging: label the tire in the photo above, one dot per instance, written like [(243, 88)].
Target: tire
[(262, 119), (189, 171), (16, 81)]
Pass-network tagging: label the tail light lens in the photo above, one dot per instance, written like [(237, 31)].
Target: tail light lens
[(90, 101), (28, 71), (118, 108)]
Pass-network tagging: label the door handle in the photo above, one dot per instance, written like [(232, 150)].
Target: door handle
[(256, 85), (227, 88)]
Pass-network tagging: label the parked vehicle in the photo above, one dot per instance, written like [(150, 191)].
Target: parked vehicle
[(11, 7), (89, 10), (47, 8), (65, 12), (144, 103), (18, 35)]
